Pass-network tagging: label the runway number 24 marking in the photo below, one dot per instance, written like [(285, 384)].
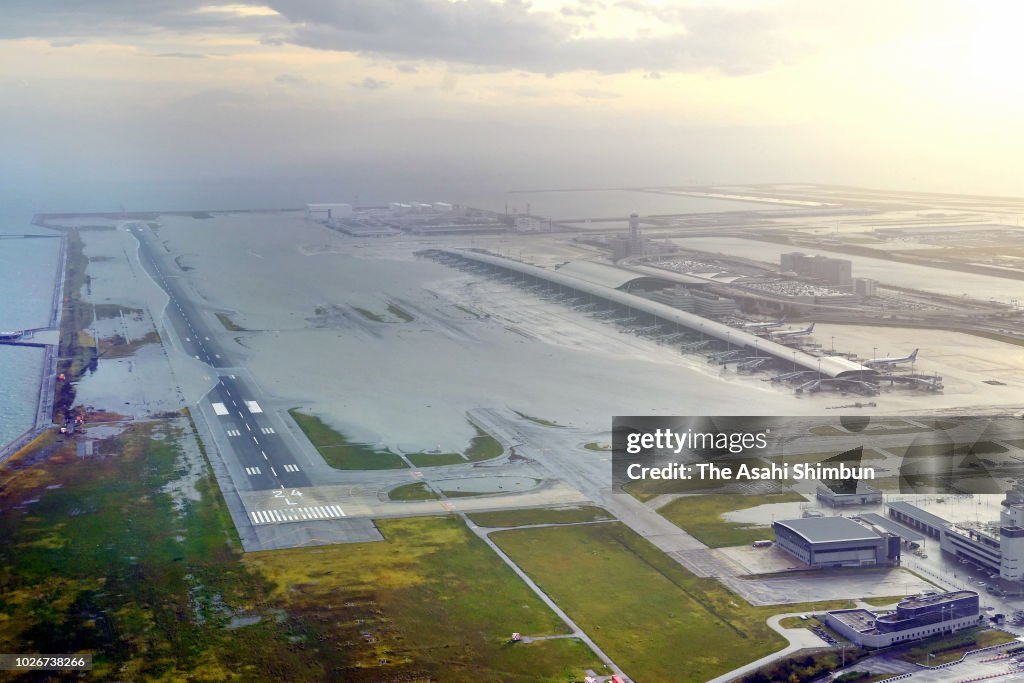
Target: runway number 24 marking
[(280, 494)]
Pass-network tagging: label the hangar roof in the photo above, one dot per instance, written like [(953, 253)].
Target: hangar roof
[(828, 529), (920, 515)]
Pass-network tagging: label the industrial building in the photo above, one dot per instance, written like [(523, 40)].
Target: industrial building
[(997, 546), (822, 542), (864, 495), (325, 212), (833, 271), (915, 617)]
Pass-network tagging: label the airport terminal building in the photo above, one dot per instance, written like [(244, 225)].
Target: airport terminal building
[(823, 542), (919, 616)]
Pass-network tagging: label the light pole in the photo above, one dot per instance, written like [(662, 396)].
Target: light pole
[(874, 353)]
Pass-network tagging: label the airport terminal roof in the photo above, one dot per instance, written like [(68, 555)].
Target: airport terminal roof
[(604, 274), (831, 366), (920, 515), (828, 529)]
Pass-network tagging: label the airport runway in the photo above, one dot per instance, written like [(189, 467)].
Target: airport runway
[(258, 456)]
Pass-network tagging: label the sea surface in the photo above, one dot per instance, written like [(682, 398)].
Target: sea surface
[(28, 270)]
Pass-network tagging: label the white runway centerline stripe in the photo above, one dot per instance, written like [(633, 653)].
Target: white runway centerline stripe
[(253, 406), (296, 514), (220, 409)]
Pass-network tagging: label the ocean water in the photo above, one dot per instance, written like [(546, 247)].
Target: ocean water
[(28, 269)]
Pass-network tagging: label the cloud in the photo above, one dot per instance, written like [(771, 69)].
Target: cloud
[(290, 79), (371, 83), (497, 35), (513, 35)]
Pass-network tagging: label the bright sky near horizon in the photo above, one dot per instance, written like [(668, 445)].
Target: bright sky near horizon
[(919, 94)]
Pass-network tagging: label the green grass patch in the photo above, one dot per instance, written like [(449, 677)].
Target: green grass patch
[(229, 324), (649, 614), (415, 491), (341, 453), (434, 459), (106, 561), (370, 315), (701, 517), (537, 420), (595, 446), (950, 648), (560, 515), (400, 313), (483, 446), (338, 451)]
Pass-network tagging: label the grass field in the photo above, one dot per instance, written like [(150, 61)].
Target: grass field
[(701, 517), (343, 454), (655, 619), (229, 324), (99, 556), (415, 491), (538, 420), (561, 515), (595, 446), (338, 451)]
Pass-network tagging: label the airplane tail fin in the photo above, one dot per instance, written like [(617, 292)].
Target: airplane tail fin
[(913, 356), (810, 328)]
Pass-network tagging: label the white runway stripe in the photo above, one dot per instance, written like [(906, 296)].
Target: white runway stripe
[(253, 407), (297, 514), (220, 409), (267, 430), (252, 470), (234, 432)]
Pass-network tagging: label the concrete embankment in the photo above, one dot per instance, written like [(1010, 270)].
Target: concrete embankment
[(48, 375)]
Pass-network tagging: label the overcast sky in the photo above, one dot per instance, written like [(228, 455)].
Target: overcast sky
[(919, 94)]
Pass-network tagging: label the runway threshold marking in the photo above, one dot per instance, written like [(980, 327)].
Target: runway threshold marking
[(252, 470), (253, 407), (297, 514), (291, 468), (234, 432), (220, 409), (268, 430)]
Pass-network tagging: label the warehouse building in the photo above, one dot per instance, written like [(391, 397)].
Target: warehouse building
[(914, 517), (916, 617), (822, 542)]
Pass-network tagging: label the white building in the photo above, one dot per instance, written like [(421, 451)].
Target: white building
[(527, 224)]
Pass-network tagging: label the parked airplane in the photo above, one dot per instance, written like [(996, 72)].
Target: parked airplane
[(883, 362), (765, 326), (786, 334)]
